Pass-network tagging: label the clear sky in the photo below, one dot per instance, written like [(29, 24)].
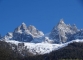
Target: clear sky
[(43, 14)]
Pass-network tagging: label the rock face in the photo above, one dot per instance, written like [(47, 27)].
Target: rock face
[(77, 35), (24, 33), (62, 32), (35, 32)]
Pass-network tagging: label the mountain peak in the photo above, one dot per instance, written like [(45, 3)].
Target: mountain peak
[(61, 21), (61, 24), (23, 26), (23, 23), (30, 27)]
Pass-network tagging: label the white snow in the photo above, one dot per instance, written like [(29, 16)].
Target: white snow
[(13, 42), (42, 48), (8, 36)]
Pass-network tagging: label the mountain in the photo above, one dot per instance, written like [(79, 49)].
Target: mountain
[(30, 39), (62, 32), (23, 33)]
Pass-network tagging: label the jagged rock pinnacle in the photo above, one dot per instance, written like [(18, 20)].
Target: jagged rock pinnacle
[(61, 24), (23, 26), (61, 21), (23, 23), (31, 27)]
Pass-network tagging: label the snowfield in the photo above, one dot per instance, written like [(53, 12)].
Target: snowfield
[(42, 48)]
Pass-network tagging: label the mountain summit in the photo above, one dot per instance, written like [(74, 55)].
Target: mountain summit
[(24, 33), (61, 21), (23, 26), (61, 32)]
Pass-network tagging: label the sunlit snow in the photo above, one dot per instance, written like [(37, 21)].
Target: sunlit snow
[(42, 48)]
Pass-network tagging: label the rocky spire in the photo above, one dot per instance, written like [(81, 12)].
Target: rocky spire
[(60, 25), (73, 27), (61, 21), (30, 27), (35, 32), (23, 26)]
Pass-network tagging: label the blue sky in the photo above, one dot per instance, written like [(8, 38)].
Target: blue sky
[(43, 14)]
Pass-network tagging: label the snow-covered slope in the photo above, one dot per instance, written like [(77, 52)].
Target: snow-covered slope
[(42, 48)]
